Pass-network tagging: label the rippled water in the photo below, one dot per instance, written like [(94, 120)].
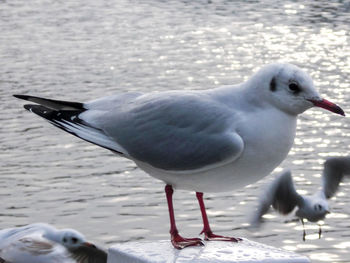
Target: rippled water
[(80, 50)]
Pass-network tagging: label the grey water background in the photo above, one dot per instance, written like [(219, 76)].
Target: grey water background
[(81, 50)]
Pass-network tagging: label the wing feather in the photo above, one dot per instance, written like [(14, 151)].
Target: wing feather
[(91, 254), (36, 246), (280, 194), (70, 122), (169, 130), (53, 104), (335, 168), (285, 197), (172, 132)]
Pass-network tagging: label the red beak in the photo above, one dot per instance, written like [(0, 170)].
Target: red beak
[(88, 244), (328, 106)]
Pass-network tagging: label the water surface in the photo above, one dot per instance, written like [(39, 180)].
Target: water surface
[(81, 50)]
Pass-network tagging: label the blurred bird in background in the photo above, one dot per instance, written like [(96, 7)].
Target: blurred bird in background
[(43, 243), (283, 197)]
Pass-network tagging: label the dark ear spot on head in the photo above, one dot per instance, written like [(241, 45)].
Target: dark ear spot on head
[(273, 84)]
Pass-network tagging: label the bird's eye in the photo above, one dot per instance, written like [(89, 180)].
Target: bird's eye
[(74, 240), (318, 207), (294, 87), (65, 240)]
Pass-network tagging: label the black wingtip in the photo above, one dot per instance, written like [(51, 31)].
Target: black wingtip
[(40, 110), (22, 97), (53, 104), (28, 107)]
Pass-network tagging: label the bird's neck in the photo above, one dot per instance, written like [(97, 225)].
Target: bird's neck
[(320, 195), (236, 95), (53, 235)]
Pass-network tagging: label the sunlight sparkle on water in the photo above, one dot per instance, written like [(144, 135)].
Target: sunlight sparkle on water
[(288, 241), (337, 215), (326, 257), (269, 216), (343, 245), (153, 46)]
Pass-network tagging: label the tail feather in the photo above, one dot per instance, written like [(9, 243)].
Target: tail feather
[(69, 121), (53, 104)]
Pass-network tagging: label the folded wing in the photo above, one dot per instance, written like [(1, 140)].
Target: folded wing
[(170, 130), (174, 132)]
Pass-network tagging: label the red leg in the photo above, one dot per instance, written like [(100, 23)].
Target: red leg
[(209, 235), (178, 241)]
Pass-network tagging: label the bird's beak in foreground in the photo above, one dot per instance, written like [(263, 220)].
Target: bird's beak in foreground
[(328, 212), (322, 103), (88, 244)]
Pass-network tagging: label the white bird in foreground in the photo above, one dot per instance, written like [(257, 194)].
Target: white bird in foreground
[(283, 197), (206, 140), (42, 243)]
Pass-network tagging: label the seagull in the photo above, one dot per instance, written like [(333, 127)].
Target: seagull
[(211, 140), (283, 197), (42, 243)]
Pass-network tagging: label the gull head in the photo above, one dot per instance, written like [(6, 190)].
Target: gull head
[(72, 239), (290, 89), (314, 209)]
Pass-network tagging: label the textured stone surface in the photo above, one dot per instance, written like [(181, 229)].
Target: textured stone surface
[(218, 252)]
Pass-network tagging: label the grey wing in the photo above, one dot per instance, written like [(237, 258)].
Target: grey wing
[(65, 115), (36, 245), (28, 246), (13, 234), (335, 168), (280, 194), (285, 197), (115, 101), (7, 233), (174, 132), (91, 254)]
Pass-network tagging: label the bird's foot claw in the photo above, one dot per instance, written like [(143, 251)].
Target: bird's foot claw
[(210, 236), (180, 242)]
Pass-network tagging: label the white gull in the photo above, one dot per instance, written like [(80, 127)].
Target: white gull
[(283, 197), (206, 140), (42, 243)]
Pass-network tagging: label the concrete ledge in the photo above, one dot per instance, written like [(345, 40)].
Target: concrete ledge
[(215, 251)]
